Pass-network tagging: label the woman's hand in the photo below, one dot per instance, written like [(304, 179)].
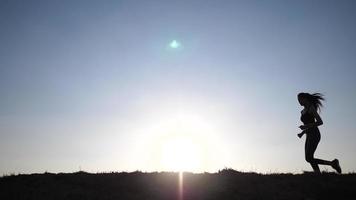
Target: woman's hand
[(303, 127), (300, 135)]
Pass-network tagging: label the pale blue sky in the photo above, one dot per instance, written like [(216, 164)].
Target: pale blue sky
[(94, 85)]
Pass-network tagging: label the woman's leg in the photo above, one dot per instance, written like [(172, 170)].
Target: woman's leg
[(311, 143), (322, 162)]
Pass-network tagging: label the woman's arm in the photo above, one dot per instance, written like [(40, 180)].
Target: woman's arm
[(316, 115), (302, 133)]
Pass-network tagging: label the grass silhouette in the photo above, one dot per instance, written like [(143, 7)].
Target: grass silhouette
[(225, 184)]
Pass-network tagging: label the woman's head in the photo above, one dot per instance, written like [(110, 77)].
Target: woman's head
[(306, 99)]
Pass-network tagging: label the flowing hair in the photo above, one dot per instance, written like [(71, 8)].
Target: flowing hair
[(315, 99)]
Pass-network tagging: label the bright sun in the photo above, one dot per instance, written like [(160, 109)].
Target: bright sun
[(181, 153)]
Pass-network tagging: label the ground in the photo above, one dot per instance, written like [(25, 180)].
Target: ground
[(226, 184)]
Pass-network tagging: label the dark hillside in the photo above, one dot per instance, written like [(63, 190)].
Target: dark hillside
[(227, 184)]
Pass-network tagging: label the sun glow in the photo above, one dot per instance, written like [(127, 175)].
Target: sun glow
[(180, 141)]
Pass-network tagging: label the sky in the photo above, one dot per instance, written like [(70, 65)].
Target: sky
[(97, 85)]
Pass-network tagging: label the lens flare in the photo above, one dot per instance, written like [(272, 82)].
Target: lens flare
[(174, 44), (180, 185)]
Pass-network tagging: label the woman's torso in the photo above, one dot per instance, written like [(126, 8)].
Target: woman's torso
[(308, 118)]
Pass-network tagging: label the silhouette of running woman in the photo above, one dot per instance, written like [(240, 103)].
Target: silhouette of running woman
[(311, 120)]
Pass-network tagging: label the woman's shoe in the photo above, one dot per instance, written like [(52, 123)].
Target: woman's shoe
[(336, 165)]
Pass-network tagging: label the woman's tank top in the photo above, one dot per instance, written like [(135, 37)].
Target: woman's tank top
[(307, 118)]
